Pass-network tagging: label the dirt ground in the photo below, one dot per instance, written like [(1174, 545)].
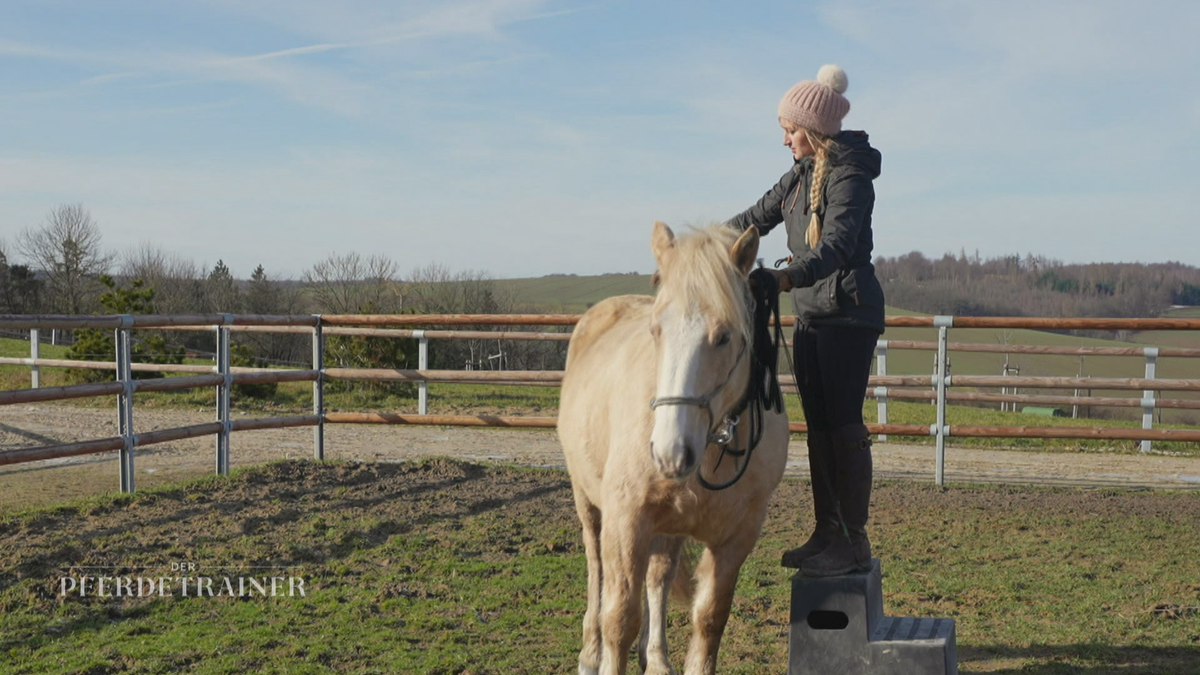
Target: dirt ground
[(271, 514), (54, 481)]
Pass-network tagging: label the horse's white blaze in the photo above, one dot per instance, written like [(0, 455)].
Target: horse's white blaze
[(680, 430)]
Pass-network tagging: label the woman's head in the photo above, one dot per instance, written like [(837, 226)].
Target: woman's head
[(816, 105), (811, 114), (802, 142)]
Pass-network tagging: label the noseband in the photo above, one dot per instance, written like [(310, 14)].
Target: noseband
[(720, 434)]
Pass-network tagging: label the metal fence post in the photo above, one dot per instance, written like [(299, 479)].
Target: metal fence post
[(125, 401), (1148, 395), (318, 356), (422, 364), (35, 351), (943, 324), (223, 394), (881, 393)]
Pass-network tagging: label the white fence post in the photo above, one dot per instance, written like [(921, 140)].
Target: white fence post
[(35, 351), (943, 324), (422, 364), (1148, 395), (881, 393), (318, 359), (125, 401), (223, 394)]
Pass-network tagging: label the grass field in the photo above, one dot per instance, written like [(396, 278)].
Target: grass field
[(572, 294), (445, 567)]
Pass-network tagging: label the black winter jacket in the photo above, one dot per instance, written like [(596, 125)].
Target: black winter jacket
[(834, 283)]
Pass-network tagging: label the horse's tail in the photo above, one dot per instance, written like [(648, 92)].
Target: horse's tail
[(683, 587)]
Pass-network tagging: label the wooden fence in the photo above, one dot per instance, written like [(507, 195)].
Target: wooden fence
[(222, 376)]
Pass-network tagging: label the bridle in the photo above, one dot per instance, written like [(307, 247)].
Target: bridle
[(717, 433), (762, 389)]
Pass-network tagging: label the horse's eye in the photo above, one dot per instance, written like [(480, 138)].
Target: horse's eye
[(723, 339), (655, 330)]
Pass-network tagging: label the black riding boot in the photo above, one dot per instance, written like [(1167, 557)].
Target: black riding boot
[(821, 470), (850, 550)]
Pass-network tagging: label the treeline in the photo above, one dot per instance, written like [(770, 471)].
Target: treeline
[(62, 267), (1032, 285)]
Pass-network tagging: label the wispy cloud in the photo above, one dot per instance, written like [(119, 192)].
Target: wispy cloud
[(109, 78), (290, 72), (395, 122)]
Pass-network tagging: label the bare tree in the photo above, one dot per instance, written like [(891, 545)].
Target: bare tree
[(351, 283), (434, 289), (20, 289), (175, 279), (6, 287), (67, 249)]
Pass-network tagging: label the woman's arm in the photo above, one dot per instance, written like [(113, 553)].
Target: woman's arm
[(849, 199), (768, 211)]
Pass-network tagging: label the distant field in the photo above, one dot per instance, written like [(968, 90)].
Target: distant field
[(1172, 338), (572, 294)]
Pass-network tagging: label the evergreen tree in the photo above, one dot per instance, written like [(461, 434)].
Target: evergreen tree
[(221, 291), (98, 345)]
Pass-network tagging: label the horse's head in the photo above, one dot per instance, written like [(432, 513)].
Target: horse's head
[(702, 330)]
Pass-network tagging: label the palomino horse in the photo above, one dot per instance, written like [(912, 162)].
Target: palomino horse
[(649, 384)]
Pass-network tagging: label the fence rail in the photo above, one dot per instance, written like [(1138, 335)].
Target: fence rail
[(223, 376)]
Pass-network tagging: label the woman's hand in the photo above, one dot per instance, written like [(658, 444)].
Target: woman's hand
[(784, 281)]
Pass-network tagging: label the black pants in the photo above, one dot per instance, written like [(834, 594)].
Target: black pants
[(832, 367)]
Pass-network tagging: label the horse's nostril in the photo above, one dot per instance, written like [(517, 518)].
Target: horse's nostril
[(689, 457)]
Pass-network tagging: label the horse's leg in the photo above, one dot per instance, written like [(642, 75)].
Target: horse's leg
[(589, 515), (624, 549), (716, 576), (652, 648)]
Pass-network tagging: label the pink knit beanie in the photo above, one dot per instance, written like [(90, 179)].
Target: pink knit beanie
[(818, 105)]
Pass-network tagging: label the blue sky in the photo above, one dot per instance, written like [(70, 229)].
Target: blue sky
[(526, 137)]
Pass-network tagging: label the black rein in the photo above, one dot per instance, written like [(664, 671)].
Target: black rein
[(762, 391)]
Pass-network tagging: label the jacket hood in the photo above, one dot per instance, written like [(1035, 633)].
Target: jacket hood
[(854, 148)]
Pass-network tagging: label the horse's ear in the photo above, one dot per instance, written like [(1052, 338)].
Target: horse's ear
[(745, 251), (662, 240)]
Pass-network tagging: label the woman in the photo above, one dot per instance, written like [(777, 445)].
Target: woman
[(825, 202)]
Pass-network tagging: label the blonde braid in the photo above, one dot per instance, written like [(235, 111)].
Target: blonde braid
[(820, 170)]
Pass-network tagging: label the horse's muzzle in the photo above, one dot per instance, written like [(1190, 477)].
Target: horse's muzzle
[(674, 462)]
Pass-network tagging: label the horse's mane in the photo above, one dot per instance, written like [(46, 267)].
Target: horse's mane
[(698, 270)]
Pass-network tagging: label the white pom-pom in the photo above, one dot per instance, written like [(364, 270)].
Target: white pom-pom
[(833, 77)]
